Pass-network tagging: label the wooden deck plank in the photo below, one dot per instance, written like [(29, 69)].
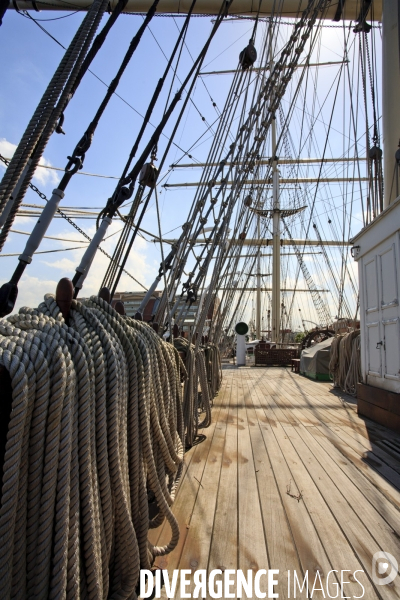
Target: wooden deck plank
[(373, 494), (355, 436), (224, 543), (366, 448), (325, 521), (252, 546), (374, 474), (351, 455), (354, 546), (326, 396), (368, 512), (187, 493), (310, 550), (270, 429), (196, 548), (317, 406), (281, 548)]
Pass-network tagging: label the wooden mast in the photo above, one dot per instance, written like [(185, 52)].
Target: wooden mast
[(288, 8), (391, 96)]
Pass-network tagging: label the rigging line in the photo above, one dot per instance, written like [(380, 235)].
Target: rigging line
[(192, 74), (195, 69), (157, 92), (294, 97), (75, 226), (98, 42), (163, 262), (23, 13), (76, 160), (45, 251), (165, 56), (226, 49), (195, 144), (44, 119), (323, 156), (205, 86), (106, 85), (63, 170), (88, 59), (48, 237), (86, 140), (176, 68)]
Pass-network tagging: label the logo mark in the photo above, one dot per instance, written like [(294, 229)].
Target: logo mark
[(384, 568)]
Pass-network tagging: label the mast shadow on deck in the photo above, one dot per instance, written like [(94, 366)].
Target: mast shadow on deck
[(366, 444)]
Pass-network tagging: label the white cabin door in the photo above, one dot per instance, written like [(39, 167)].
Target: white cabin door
[(381, 316)]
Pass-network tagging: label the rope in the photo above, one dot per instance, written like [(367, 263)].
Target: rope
[(203, 370), (95, 439), (345, 361), (49, 109)]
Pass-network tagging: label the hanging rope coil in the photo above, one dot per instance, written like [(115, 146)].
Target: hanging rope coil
[(345, 361), (204, 378), (95, 436)]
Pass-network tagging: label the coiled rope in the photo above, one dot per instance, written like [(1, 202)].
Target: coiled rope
[(345, 361), (94, 439), (204, 378)]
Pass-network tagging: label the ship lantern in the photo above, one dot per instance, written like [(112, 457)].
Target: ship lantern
[(248, 201), (248, 56), (148, 175)]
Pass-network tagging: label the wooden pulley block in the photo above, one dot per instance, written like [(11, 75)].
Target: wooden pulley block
[(105, 295), (148, 175), (248, 56), (155, 326), (138, 316), (119, 307), (64, 295), (175, 331)]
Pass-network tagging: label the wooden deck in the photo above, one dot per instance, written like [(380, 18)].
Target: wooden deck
[(288, 477)]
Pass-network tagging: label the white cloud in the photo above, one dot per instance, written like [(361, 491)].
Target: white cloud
[(64, 265), (43, 176), (31, 291)]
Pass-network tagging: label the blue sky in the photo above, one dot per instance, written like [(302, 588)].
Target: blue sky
[(31, 59)]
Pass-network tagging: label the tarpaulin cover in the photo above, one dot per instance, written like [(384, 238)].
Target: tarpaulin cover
[(314, 361)]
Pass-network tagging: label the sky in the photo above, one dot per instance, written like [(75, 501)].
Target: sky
[(32, 57)]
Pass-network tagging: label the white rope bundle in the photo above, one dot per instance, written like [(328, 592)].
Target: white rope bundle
[(94, 435), (345, 361), (204, 371)]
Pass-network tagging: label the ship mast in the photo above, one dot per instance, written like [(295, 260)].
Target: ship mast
[(276, 241), (258, 293), (391, 95)]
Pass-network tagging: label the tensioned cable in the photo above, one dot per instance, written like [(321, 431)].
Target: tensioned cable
[(106, 85), (45, 117), (131, 177), (9, 290)]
